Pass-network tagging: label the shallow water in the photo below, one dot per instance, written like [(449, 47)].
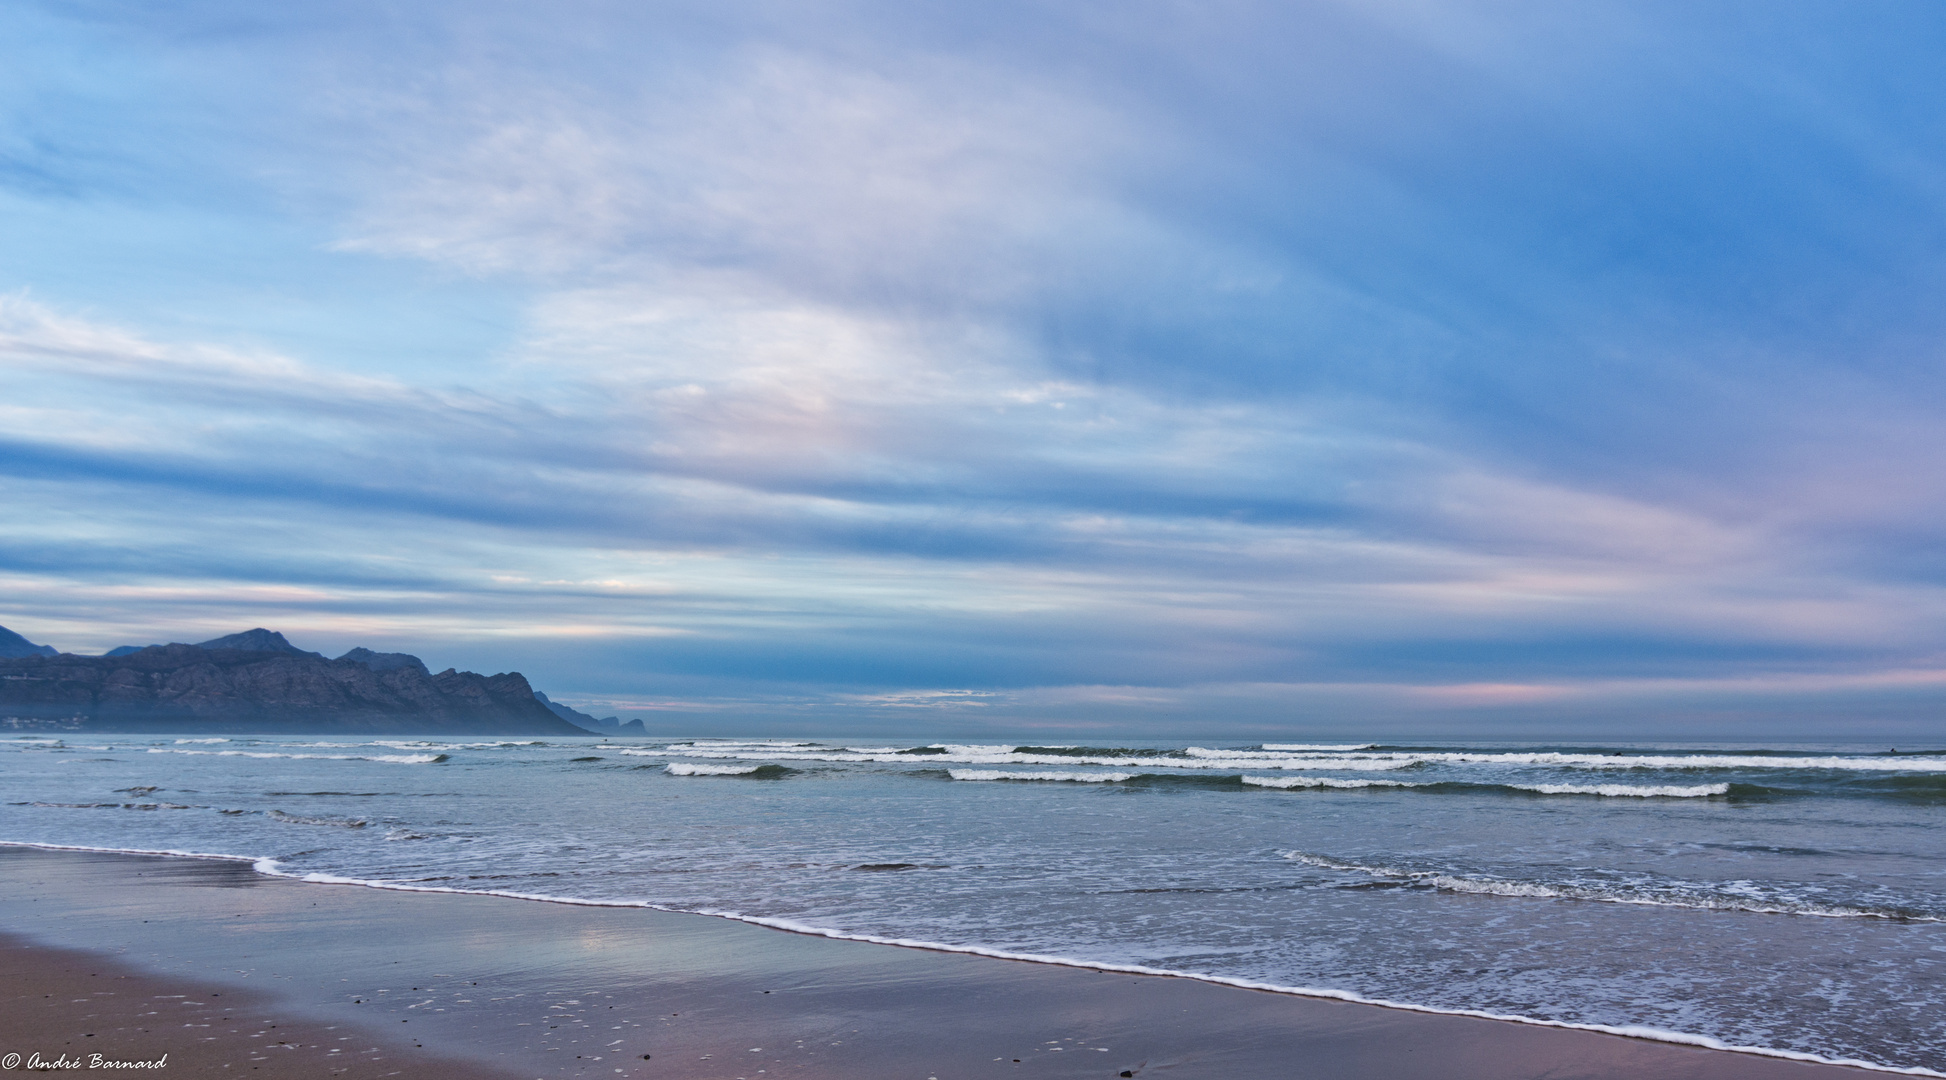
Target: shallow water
[(1791, 898)]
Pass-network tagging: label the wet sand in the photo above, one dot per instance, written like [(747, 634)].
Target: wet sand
[(448, 985), (64, 1010)]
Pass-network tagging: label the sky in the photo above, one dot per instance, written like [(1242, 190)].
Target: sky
[(1389, 369)]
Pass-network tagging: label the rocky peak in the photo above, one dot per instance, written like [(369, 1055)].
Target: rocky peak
[(386, 661), (12, 645), (257, 640)]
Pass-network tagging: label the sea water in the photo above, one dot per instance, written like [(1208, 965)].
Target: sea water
[(1786, 898)]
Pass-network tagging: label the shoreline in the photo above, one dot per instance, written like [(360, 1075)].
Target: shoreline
[(1556, 1045), (268, 868)]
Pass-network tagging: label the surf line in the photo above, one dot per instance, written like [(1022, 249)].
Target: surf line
[(269, 867)]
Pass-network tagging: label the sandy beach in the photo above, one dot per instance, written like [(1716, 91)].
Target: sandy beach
[(68, 1010), (372, 983)]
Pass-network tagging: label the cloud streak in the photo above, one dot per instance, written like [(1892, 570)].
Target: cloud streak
[(1410, 361)]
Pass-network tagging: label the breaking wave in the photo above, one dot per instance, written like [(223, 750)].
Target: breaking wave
[(1638, 791), (1073, 777), (1192, 758), (1323, 782), (300, 819), (677, 768), (395, 759), (113, 805), (1744, 896)]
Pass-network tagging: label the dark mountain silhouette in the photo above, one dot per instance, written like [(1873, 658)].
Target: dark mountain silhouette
[(258, 682), (12, 645), (258, 640)]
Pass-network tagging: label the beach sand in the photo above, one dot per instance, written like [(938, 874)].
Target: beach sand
[(437, 985), (66, 1010)]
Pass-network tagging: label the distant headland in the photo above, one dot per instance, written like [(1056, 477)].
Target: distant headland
[(257, 682)]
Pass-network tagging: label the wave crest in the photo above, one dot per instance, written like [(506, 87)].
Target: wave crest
[(1323, 782), (678, 768), (1071, 777), (1722, 896)]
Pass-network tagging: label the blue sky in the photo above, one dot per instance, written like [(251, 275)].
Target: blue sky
[(1389, 368)]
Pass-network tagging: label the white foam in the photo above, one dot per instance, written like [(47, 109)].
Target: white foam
[(1304, 757), (1222, 760), (1074, 777), (173, 853), (1910, 763), (1639, 791), (678, 768), (1297, 756), (1280, 749), (1636, 791), (404, 744), (397, 759), (300, 819), (270, 868), (751, 744), (1321, 782), (1720, 897), (180, 742), (423, 744)]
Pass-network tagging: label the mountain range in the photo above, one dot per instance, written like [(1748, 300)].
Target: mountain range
[(258, 682)]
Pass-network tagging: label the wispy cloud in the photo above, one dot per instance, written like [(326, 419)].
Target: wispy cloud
[(1399, 359)]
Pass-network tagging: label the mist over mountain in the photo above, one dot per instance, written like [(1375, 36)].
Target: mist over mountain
[(607, 725)]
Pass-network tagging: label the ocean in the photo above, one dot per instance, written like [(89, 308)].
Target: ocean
[(1789, 899)]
